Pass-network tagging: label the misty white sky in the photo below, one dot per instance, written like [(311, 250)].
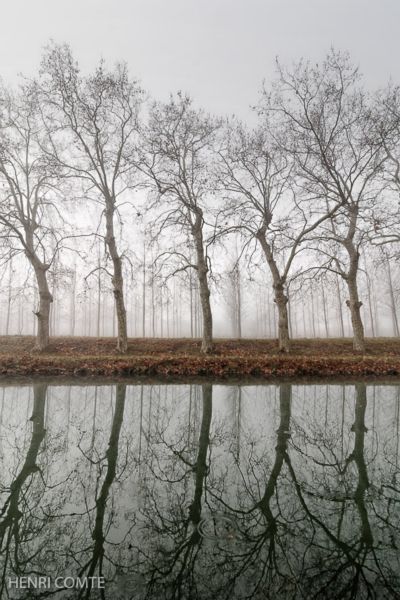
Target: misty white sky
[(217, 50)]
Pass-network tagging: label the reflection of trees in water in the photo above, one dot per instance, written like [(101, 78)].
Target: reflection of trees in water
[(294, 537), (61, 542), (87, 550), (345, 558), (15, 524), (94, 565), (19, 524), (170, 542), (183, 500)]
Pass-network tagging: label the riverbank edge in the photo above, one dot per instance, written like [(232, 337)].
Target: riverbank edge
[(178, 367)]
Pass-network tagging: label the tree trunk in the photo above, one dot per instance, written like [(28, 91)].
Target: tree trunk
[(371, 314), (117, 279), (238, 303), (313, 314), (144, 293), (98, 301), (45, 297), (73, 303), (354, 305), (353, 302), (9, 299), (324, 307), (43, 314), (202, 270), (340, 307), (45, 300), (280, 299), (392, 300)]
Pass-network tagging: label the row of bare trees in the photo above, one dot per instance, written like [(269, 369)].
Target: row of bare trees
[(305, 191)]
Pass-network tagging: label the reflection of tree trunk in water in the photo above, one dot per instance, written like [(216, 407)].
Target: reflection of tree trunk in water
[(201, 461), (357, 455), (238, 425), (68, 417), (354, 559), (101, 501), (342, 424), (200, 468), (187, 551), (190, 415), (283, 431), (92, 441), (10, 513)]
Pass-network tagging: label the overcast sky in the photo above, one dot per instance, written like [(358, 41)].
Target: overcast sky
[(217, 50)]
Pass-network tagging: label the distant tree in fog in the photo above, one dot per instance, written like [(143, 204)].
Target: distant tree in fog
[(386, 217)]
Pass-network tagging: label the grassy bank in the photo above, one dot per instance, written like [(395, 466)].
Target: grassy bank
[(73, 356)]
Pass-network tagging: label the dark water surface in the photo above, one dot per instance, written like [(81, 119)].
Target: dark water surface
[(200, 491)]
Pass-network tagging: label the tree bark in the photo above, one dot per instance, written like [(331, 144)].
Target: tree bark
[(43, 314), (45, 297), (202, 271), (354, 302), (281, 299), (117, 278), (354, 305)]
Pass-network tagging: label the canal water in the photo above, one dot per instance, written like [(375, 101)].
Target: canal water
[(192, 492)]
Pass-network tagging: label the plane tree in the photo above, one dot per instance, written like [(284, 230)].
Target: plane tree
[(265, 204), (32, 219), (177, 160), (97, 119), (324, 120)]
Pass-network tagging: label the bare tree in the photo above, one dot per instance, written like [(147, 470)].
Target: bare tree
[(98, 117), (179, 141), (29, 193), (264, 207), (328, 129), (386, 217)]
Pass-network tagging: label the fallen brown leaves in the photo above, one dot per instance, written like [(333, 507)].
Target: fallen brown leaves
[(174, 358)]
